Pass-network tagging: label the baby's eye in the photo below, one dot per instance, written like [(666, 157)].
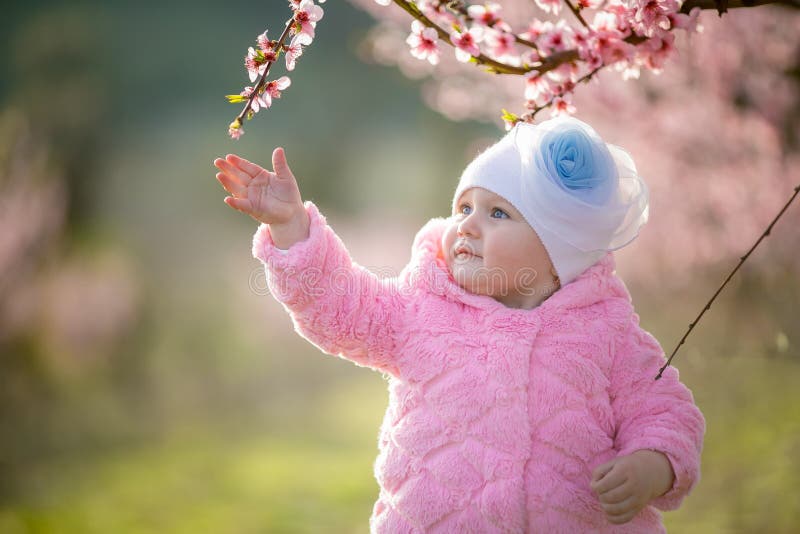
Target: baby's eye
[(464, 209), (498, 210)]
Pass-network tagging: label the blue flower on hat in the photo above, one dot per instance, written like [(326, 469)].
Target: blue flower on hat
[(579, 162)]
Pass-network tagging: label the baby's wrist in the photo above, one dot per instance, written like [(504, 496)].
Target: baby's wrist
[(284, 235), (658, 464)]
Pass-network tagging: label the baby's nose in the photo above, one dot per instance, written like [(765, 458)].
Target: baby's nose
[(466, 227)]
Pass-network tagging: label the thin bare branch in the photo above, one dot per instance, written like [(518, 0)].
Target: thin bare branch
[(577, 13), (741, 261)]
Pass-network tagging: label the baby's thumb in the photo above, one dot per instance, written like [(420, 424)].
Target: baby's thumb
[(279, 164)]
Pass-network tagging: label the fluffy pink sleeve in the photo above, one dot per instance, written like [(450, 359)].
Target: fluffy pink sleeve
[(655, 414), (336, 304)]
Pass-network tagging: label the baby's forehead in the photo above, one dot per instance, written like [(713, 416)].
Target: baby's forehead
[(479, 194)]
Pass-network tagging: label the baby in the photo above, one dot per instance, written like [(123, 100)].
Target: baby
[(521, 387)]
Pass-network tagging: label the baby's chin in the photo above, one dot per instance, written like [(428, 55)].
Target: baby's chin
[(467, 274)]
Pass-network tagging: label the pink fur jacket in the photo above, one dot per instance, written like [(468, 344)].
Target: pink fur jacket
[(497, 416)]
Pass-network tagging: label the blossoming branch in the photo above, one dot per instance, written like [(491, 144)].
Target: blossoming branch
[(258, 61), (554, 58)]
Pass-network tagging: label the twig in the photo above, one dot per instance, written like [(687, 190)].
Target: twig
[(263, 77), (741, 261), (709, 4), (583, 79), (494, 65), (577, 13)]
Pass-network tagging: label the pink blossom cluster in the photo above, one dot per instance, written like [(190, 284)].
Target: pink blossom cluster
[(302, 25), (552, 56)]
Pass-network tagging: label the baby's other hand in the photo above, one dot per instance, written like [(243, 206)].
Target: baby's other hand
[(268, 197), (625, 485)]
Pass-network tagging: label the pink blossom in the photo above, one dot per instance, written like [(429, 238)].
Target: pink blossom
[(580, 37), (616, 51), (295, 49), (235, 133), (306, 16), (562, 105), (264, 98), (255, 63), (435, 9), (535, 29), (619, 12), (652, 14), (605, 22), (266, 46), (558, 38), (687, 22), (424, 42), (550, 6), (467, 43), (531, 57), (565, 71), (273, 90), (485, 15), (590, 56), (536, 86), (609, 45), (294, 4), (501, 44), (260, 102), (257, 102), (585, 43), (562, 89), (630, 72), (656, 50)]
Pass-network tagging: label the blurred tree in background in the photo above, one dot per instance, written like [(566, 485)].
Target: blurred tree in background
[(147, 383)]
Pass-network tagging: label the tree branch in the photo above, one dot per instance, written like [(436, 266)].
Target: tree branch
[(567, 56), (577, 13), (494, 66), (263, 77), (741, 261), (709, 4)]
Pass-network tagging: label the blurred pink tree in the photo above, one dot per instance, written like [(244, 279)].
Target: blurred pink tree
[(715, 134)]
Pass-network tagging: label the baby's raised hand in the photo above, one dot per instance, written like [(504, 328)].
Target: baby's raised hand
[(268, 197), (628, 483)]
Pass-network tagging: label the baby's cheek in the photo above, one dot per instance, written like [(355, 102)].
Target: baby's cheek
[(448, 240)]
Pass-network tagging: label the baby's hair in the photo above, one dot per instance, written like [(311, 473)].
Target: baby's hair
[(557, 279), (553, 286)]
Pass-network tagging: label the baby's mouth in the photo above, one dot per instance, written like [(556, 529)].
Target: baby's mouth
[(464, 253)]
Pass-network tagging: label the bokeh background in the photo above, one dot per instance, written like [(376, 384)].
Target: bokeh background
[(148, 382)]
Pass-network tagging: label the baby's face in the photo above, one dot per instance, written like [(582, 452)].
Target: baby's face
[(491, 250)]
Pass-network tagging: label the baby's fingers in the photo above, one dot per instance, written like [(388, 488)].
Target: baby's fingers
[(233, 171), (616, 495), (239, 204), (231, 186), (620, 508), (248, 167)]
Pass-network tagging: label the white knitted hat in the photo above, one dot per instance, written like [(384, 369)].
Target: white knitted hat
[(583, 197)]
